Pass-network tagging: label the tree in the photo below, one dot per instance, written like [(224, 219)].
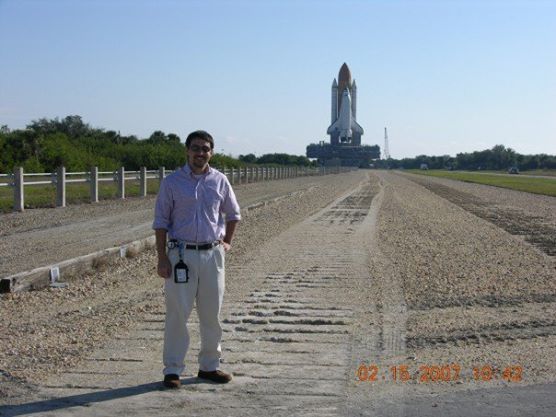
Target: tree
[(157, 137), (248, 159), (173, 138)]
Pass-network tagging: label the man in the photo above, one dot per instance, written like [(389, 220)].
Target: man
[(192, 236)]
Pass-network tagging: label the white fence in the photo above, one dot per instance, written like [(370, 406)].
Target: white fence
[(18, 180)]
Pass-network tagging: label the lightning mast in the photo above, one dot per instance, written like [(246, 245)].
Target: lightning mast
[(386, 147)]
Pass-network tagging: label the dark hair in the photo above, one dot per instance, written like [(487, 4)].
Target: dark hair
[(199, 134)]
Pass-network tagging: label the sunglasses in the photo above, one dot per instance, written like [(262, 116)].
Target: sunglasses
[(197, 148)]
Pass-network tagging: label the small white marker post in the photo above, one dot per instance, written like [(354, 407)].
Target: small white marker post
[(123, 251), (54, 274)]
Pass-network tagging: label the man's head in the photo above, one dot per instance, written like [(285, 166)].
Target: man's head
[(199, 146)]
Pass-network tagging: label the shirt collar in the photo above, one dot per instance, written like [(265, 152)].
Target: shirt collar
[(189, 173)]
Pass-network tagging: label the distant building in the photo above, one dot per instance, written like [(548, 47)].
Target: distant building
[(345, 133)]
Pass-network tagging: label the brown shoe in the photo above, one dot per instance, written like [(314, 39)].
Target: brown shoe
[(172, 381), (217, 376)]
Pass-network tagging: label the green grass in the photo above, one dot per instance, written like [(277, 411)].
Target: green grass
[(543, 172), (536, 172), (545, 186), (45, 195)]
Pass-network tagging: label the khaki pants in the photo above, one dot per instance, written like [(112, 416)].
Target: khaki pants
[(206, 288)]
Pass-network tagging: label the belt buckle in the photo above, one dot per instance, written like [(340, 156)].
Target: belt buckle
[(172, 244)]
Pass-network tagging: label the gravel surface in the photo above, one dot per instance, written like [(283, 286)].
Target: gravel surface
[(395, 273), (41, 237), (477, 295), (519, 213), (45, 331)]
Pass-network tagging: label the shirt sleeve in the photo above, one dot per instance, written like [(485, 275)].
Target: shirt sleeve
[(163, 207), (230, 206)]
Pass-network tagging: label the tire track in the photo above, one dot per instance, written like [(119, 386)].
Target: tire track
[(535, 229)]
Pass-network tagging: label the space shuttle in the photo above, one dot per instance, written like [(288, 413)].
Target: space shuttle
[(344, 128)]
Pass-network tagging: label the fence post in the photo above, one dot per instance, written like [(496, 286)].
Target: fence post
[(121, 183), (161, 174), (61, 187), (94, 184), (245, 175), (143, 180), (19, 199)]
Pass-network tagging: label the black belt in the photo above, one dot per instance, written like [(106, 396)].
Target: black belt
[(173, 243)]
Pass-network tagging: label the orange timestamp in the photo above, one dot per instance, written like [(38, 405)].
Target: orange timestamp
[(438, 373)]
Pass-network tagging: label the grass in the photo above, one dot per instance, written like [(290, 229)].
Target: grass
[(543, 172), (545, 186), (45, 195), (536, 172)]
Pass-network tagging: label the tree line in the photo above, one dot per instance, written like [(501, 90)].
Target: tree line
[(497, 158), (46, 144), (277, 158)]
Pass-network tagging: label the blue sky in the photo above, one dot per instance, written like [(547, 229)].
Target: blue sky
[(443, 76)]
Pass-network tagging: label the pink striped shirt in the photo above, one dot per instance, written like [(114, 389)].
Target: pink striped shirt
[(195, 208)]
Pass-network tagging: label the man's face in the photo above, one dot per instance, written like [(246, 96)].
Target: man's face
[(199, 154)]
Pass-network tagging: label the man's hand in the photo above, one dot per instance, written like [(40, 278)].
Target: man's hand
[(164, 268), (226, 246)]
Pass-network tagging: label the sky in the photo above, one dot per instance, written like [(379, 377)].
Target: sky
[(443, 76)]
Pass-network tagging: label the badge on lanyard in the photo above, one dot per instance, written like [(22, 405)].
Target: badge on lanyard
[(181, 273)]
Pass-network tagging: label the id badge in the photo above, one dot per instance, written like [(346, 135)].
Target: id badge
[(181, 273)]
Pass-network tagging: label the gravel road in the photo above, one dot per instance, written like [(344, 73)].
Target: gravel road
[(396, 273)]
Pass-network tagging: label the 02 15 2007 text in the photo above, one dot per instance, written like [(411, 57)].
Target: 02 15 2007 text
[(439, 373)]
